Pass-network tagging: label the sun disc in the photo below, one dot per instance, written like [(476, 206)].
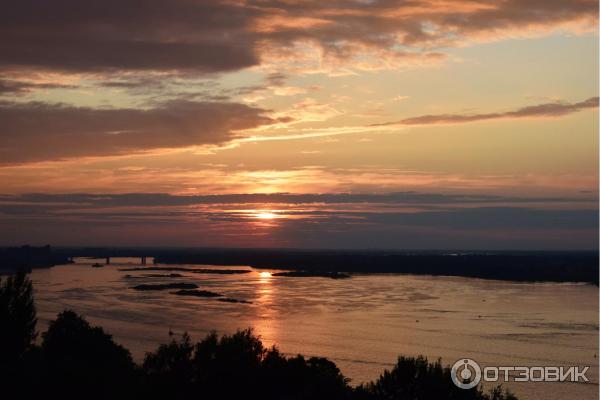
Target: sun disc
[(265, 215)]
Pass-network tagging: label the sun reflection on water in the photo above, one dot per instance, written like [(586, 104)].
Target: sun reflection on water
[(264, 322)]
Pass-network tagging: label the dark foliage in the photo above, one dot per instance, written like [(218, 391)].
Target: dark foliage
[(17, 316), (416, 378), (83, 359), (238, 366)]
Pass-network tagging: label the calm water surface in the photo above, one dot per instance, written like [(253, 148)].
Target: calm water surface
[(362, 323)]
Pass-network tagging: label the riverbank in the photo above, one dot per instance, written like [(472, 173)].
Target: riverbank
[(510, 266)]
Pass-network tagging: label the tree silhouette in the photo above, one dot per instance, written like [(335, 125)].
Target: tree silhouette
[(170, 370), (238, 366), (84, 359), (316, 378), (416, 378), (17, 316)]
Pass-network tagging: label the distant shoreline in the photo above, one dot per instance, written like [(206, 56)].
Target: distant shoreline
[(517, 266), (29, 257), (559, 267)]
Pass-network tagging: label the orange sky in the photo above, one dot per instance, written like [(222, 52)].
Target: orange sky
[(198, 98)]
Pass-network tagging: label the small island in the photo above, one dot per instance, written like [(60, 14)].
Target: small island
[(196, 293), (192, 270), (163, 286), (230, 300), (313, 274)]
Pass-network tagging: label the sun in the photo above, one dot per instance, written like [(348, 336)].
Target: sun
[(265, 215)]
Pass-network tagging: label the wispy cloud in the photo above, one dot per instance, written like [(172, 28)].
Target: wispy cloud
[(546, 110), (16, 87), (165, 199)]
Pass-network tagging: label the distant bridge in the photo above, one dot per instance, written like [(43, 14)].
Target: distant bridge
[(142, 260), (109, 254)]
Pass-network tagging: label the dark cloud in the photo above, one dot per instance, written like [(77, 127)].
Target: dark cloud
[(483, 218), (547, 110), (489, 218), (69, 35), (212, 36), (162, 219), (471, 228), (15, 87), (169, 200), (495, 16), (159, 88), (134, 84), (37, 131), (276, 79)]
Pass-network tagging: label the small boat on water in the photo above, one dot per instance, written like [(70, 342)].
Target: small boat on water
[(97, 265)]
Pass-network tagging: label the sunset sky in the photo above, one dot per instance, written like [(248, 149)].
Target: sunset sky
[(314, 124)]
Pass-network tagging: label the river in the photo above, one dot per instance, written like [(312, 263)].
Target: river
[(362, 323)]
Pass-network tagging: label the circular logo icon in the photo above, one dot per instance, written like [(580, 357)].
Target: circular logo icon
[(466, 373)]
